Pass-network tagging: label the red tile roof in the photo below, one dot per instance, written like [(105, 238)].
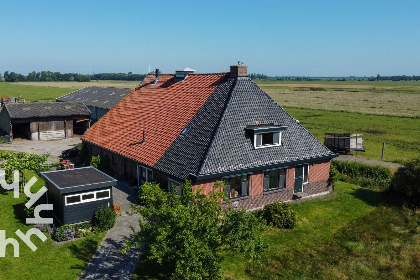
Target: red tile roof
[(161, 110)]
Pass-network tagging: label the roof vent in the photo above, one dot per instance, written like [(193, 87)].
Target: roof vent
[(181, 74)]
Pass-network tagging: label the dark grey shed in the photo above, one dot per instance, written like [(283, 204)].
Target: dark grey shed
[(77, 193)]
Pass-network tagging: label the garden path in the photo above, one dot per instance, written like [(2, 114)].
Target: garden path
[(107, 263)]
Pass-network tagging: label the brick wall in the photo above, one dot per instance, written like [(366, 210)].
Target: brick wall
[(318, 183)]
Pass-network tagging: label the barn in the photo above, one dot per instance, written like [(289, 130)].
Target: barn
[(44, 121), (98, 100), (77, 193)]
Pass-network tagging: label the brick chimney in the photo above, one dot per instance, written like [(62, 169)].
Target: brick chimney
[(238, 71)]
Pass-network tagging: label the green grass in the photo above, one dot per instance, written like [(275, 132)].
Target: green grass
[(354, 233), (49, 261), (401, 135), (33, 93), (348, 82)]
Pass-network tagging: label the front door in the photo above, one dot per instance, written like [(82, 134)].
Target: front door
[(298, 179)]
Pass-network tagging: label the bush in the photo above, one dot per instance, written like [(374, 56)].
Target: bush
[(103, 219), (84, 157), (334, 175), (407, 179), (64, 233), (368, 176), (101, 162), (279, 215)]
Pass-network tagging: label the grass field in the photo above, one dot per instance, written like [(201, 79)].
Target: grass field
[(49, 261), (365, 102), (401, 135), (79, 85), (354, 233), (353, 83)]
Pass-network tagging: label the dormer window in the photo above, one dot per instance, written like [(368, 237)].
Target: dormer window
[(268, 135)]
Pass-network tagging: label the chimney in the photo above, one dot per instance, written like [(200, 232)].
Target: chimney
[(157, 73), (239, 70)]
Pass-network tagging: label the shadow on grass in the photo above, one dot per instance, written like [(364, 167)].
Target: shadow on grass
[(83, 250), (19, 211), (385, 198)]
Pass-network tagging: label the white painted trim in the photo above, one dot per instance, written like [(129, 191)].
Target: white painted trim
[(305, 165), (265, 146), (86, 200)]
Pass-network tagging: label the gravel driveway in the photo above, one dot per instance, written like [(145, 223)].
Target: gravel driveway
[(54, 147)]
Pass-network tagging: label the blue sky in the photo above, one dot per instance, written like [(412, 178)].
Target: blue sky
[(302, 38)]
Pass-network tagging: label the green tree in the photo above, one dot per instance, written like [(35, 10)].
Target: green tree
[(378, 77), (186, 236), (406, 179)]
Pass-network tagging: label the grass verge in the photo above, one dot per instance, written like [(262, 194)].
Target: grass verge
[(49, 261), (353, 234)]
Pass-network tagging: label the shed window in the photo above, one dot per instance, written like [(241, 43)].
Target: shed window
[(73, 199), (88, 196), (103, 194), (274, 179), (237, 186)]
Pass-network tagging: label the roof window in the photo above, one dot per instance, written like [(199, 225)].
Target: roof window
[(266, 135), (185, 130)]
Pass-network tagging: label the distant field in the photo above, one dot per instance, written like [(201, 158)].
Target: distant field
[(348, 82), (401, 135), (390, 103), (79, 85), (31, 93)]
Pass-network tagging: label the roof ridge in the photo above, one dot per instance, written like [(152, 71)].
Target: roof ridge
[(217, 125)]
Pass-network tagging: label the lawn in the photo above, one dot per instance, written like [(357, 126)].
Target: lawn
[(49, 261), (354, 83), (401, 135), (354, 233)]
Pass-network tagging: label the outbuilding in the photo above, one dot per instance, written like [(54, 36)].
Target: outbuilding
[(44, 120), (77, 193)]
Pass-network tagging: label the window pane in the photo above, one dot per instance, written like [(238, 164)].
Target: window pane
[(102, 194), (73, 199), (150, 174), (306, 173), (282, 178), (274, 179), (267, 138), (88, 196), (176, 187), (235, 187)]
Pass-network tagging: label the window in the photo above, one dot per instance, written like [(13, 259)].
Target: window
[(275, 179), (306, 173), (237, 186), (185, 130), (268, 139), (87, 197), (114, 159), (145, 174), (103, 194), (174, 187)]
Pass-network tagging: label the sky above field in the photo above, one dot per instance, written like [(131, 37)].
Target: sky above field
[(276, 38)]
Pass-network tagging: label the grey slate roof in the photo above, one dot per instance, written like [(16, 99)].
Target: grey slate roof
[(46, 109), (217, 142), (99, 97)]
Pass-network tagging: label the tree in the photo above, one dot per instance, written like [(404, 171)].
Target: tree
[(378, 77), (406, 179), (187, 235)]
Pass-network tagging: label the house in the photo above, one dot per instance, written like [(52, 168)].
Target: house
[(208, 128), (44, 120), (77, 193), (98, 100)]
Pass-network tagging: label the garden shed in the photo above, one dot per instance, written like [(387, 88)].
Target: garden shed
[(77, 193)]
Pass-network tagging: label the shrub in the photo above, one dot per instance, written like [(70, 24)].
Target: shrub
[(334, 175), (45, 228), (101, 162), (407, 179), (279, 215), (103, 219), (84, 157), (368, 176), (64, 233)]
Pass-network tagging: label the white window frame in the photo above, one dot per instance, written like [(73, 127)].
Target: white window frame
[(305, 179), (268, 145), (86, 200)]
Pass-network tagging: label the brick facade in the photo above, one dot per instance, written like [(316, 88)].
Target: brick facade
[(257, 198)]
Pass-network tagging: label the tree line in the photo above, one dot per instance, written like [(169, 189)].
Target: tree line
[(48, 76)]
